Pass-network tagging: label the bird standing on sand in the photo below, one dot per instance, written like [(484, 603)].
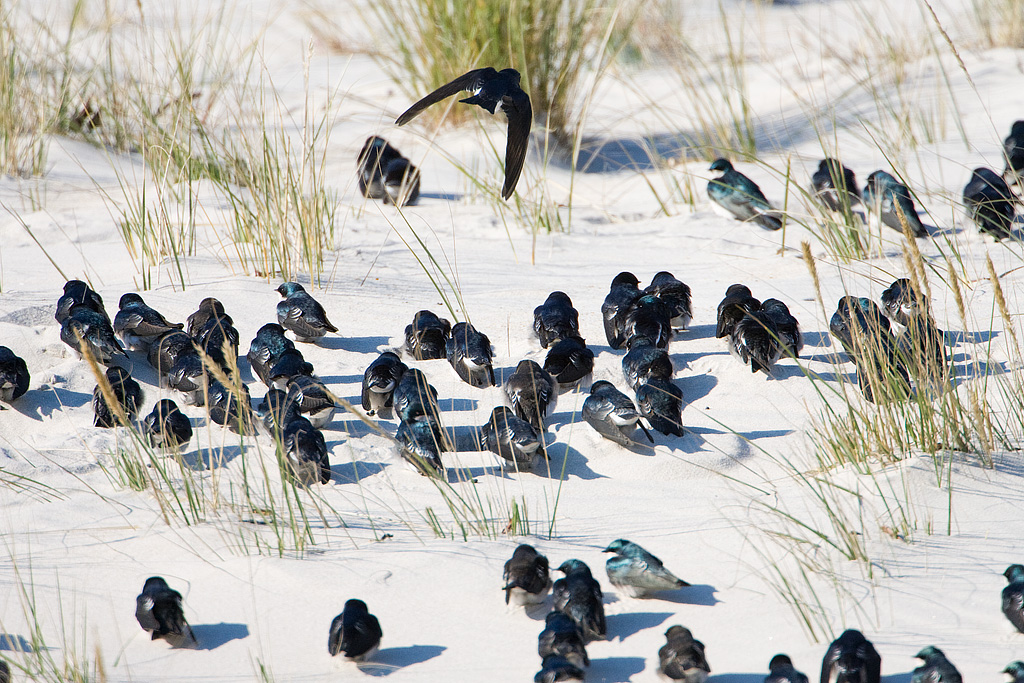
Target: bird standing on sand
[(158, 611), (579, 596), (492, 90), (355, 632), (266, 349), (936, 668), (77, 292), (526, 576), (1013, 596), (835, 185), (14, 377), (127, 393), (470, 354), (891, 199), (555, 319), (427, 337), (301, 314), (512, 438), (556, 669), (790, 340), (1013, 150), (740, 196), (306, 451), (990, 203), (623, 292), (650, 317), (561, 637), (643, 361), (733, 308), (755, 341), (379, 381), (781, 670), (676, 295), (660, 400), (421, 440), (138, 325), (385, 174), (851, 658), (166, 426), (612, 414), (637, 572), (95, 332), (682, 658), (532, 392), (569, 361)]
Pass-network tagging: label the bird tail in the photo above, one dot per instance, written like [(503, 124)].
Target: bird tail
[(489, 105)]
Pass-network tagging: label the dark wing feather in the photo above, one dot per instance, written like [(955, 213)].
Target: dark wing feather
[(467, 81), (520, 118), (830, 660)]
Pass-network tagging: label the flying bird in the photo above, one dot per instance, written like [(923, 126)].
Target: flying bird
[(740, 196), (301, 314), (623, 292), (1013, 596), (851, 658), (936, 668), (14, 377), (612, 414), (835, 185), (355, 632), (492, 90), (127, 393), (526, 577), (427, 337), (990, 203), (637, 572), (158, 611), (891, 199), (379, 381), (781, 670), (166, 426), (682, 658), (579, 596)]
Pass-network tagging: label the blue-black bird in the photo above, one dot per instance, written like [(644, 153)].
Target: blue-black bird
[(990, 203), (562, 637), (421, 441), (623, 292), (1013, 150), (513, 439), (643, 361), (492, 90), (921, 339), (936, 668), (289, 364), (301, 314), (158, 611), (526, 577), (755, 341), (167, 349), (555, 668), (127, 393), (660, 400), (95, 332), (851, 658), (555, 319), (781, 670), (569, 361), (355, 632), (385, 174), (676, 295), (1013, 596), (228, 408), (166, 426), (188, 375), (791, 342), (427, 337), (138, 325), (414, 396), (5, 672), (682, 658), (469, 353), (276, 412), (208, 308), (218, 338), (650, 317), (835, 186), (733, 308), (863, 330), (379, 381), (312, 398), (890, 199), (306, 451), (579, 596), (266, 349), (1016, 671), (740, 196), (532, 392), (14, 376), (637, 572), (612, 414), (77, 292)]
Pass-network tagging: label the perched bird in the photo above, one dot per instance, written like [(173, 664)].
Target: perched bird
[(835, 185), (166, 426), (208, 308), (276, 412), (188, 375), (612, 413), (127, 393), (579, 596), (158, 611), (414, 396), (532, 392), (312, 398), (637, 572), (921, 339), (229, 409), (623, 292), (740, 196), (385, 174), (781, 670), (526, 576), (863, 330), (555, 319), (1013, 149), (469, 353), (733, 308), (355, 632), (676, 295), (421, 440), (1013, 596), (791, 342), (492, 90), (14, 376), (138, 325), (936, 668), (166, 350), (681, 658), (851, 658), (555, 668), (95, 332), (643, 361), (1016, 671), (755, 341), (891, 199), (289, 364), (379, 381), (512, 438), (650, 317), (301, 314), (990, 203), (569, 361), (427, 337), (76, 293), (306, 451), (660, 400), (561, 637), (266, 349)]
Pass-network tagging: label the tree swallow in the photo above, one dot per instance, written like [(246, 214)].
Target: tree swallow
[(306, 451), (276, 411), (637, 572), (569, 361), (379, 381), (755, 341), (77, 292), (921, 339), (1013, 149), (301, 314), (1013, 596), (138, 325), (421, 441), (790, 340), (208, 308), (781, 670), (427, 337), (312, 398), (936, 668), (623, 292), (1016, 671), (166, 350), (555, 319), (990, 203), (14, 376), (385, 174), (863, 331), (612, 414), (166, 426), (579, 596), (289, 364), (740, 196), (681, 658), (414, 396), (532, 392), (228, 409), (891, 199), (266, 349), (512, 438), (643, 361), (733, 308), (561, 637), (218, 338), (158, 611), (835, 186), (354, 632), (127, 393), (676, 295), (469, 353), (660, 400), (650, 317), (95, 332), (851, 658), (188, 375), (555, 669), (527, 579)]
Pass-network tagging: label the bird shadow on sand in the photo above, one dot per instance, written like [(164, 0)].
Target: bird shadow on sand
[(353, 344), (44, 402), (694, 594), (450, 405), (736, 678), (784, 371), (443, 196), (212, 636), (699, 332), (898, 678), (696, 387), (354, 472), (614, 669), (815, 339), (389, 660), (611, 155), (575, 463), (14, 643), (622, 626), (954, 337), (210, 458)]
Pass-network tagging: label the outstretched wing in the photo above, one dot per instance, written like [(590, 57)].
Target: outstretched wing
[(467, 81), (520, 118)]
